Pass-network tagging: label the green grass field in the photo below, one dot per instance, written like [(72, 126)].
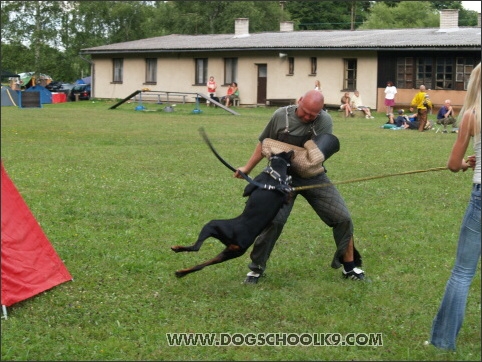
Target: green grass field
[(114, 189)]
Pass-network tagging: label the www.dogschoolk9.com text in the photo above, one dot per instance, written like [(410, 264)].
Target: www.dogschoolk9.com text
[(275, 339)]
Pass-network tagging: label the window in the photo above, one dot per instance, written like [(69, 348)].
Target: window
[(434, 72), (444, 73), (291, 65), (404, 73), (349, 78), (230, 70), (151, 70), (313, 65), (118, 67), (463, 69), (424, 72), (201, 71)]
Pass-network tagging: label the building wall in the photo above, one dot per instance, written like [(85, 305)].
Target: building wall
[(374, 69), (175, 73), (404, 98)]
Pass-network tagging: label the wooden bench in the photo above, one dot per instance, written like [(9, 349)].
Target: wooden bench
[(332, 106), (280, 102), (223, 101), (167, 96), (177, 95)]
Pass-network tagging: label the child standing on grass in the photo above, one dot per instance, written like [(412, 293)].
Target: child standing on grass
[(212, 89), (448, 321), (390, 92)]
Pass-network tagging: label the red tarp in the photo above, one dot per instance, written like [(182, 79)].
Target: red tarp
[(59, 97), (30, 264)]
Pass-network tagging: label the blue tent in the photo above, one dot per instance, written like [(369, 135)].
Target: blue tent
[(9, 97), (45, 95), (86, 80)]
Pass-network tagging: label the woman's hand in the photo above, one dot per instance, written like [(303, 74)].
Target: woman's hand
[(243, 170), (470, 161)]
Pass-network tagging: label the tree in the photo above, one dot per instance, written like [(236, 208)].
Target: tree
[(125, 20), (414, 14), (405, 14), (16, 57), (32, 23), (466, 17), (47, 36), (55, 31), (328, 15), (217, 17)]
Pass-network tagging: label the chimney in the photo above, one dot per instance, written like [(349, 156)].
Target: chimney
[(286, 26), (241, 27), (449, 19)]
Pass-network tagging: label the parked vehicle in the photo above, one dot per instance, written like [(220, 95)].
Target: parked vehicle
[(83, 90), (67, 87), (54, 86)]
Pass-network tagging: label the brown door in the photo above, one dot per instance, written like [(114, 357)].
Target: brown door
[(262, 80)]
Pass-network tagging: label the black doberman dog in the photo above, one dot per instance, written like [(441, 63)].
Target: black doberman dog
[(267, 193)]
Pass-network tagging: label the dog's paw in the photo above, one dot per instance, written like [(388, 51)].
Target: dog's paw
[(177, 248)]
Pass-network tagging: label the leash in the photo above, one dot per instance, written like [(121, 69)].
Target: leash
[(367, 178), (202, 132), (285, 188)]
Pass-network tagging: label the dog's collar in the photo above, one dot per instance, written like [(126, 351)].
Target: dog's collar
[(274, 174)]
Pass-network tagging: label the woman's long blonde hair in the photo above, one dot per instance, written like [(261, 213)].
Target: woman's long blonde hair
[(472, 100)]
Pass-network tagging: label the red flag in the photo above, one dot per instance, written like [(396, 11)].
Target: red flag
[(30, 265)]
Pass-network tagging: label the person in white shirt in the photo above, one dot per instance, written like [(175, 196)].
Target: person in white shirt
[(390, 92), (317, 85), (357, 103)]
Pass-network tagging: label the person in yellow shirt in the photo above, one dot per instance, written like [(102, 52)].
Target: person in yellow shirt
[(423, 103)]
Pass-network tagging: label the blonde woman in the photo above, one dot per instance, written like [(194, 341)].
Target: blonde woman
[(450, 316), (346, 105), (317, 85)]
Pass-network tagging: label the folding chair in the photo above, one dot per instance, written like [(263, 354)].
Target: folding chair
[(443, 123)]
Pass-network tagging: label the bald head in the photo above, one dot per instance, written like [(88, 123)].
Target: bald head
[(422, 88), (310, 105), (313, 100)]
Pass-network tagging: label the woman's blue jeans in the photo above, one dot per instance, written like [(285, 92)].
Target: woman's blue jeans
[(448, 321)]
